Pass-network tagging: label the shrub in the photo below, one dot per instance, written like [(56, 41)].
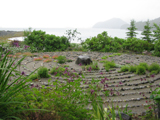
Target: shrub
[(33, 76), (140, 70), (69, 60), (145, 65), (124, 68), (43, 72), (65, 66), (61, 59), (57, 70), (154, 67), (41, 41), (154, 72), (132, 68), (109, 65), (102, 42), (93, 66), (104, 57)]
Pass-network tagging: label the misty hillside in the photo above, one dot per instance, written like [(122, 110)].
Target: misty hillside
[(114, 23), (140, 25)]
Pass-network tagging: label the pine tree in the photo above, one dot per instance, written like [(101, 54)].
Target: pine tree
[(156, 32), (147, 32), (132, 29)]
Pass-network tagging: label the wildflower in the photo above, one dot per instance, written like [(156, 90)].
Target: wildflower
[(25, 47), (80, 64), (55, 73), (153, 75), (103, 81), (149, 107), (112, 92), (146, 101), (101, 73), (92, 91), (32, 86), (106, 85), (120, 82), (85, 82), (13, 64), (106, 78), (23, 73)]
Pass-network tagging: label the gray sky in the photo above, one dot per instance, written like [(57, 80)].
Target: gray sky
[(74, 13)]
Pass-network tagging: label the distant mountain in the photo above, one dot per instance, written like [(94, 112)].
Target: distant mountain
[(114, 23), (140, 25)]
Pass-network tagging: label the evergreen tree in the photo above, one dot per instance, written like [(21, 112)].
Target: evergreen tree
[(156, 32), (147, 32), (132, 29)]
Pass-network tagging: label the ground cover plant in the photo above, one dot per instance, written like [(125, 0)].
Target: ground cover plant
[(47, 60), (93, 66), (27, 54), (64, 72), (43, 72), (61, 59), (37, 59), (141, 69), (109, 64)]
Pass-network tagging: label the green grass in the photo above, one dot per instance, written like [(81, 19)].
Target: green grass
[(145, 65), (109, 65), (104, 57), (43, 72), (124, 68), (140, 70), (132, 68), (33, 76), (154, 67)]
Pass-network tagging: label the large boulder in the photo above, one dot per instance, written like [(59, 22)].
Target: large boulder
[(83, 60)]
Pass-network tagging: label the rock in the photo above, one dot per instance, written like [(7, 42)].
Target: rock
[(83, 60), (123, 115)]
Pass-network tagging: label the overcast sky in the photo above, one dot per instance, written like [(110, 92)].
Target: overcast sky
[(73, 13)]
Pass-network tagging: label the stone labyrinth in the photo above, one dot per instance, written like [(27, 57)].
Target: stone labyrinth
[(128, 88)]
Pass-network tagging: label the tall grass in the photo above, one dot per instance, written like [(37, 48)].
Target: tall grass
[(10, 89)]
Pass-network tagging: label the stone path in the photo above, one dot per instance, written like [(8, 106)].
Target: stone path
[(126, 88)]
